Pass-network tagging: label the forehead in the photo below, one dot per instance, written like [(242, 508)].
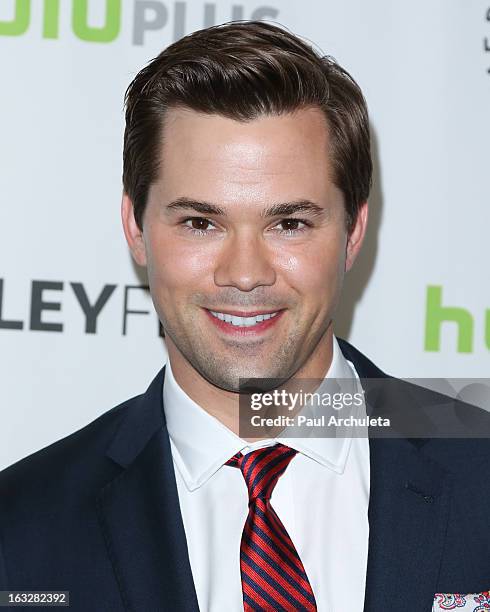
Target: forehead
[(214, 157)]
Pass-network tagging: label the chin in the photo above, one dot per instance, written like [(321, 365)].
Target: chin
[(237, 382)]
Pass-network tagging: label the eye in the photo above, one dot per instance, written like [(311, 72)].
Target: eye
[(197, 225), (291, 226)]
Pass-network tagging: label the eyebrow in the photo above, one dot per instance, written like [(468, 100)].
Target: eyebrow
[(282, 209)]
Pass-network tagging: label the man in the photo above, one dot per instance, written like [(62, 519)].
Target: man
[(246, 177)]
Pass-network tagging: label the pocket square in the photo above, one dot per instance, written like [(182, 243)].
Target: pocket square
[(470, 602)]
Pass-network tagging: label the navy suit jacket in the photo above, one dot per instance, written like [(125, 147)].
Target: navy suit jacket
[(97, 514)]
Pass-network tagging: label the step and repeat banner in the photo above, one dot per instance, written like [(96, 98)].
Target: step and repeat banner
[(78, 333)]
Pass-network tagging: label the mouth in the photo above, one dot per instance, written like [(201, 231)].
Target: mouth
[(240, 323)]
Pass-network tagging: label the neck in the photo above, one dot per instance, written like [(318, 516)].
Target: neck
[(223, 404)]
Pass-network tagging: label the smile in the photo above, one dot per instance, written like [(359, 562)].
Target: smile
[(243, 321), (244, 324)]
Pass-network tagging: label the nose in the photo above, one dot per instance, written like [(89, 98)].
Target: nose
[(244, 262)]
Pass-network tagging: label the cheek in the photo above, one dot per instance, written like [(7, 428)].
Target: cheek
[(314, 270), (176, 264)]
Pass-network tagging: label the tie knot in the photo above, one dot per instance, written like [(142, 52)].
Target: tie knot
[(262, 468)]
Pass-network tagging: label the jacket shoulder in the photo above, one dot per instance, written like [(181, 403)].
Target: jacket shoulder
[(72, 461), (454, 434)]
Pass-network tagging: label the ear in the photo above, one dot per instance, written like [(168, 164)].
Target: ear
[(134, 235), (354, 241)]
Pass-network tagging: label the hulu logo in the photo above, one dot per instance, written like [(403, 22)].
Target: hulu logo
[(437, 315), (147, 15)]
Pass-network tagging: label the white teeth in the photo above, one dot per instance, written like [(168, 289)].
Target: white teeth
[(242, 321)]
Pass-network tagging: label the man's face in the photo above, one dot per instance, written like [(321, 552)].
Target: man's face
[(243, 219)]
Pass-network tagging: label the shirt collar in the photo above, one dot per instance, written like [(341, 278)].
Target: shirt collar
[(201, 444)]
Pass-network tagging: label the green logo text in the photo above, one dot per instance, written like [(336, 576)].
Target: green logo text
[(437, 314)]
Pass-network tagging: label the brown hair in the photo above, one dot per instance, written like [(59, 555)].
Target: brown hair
[(242, 70)]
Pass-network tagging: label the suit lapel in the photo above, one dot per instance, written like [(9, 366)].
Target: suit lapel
[(140, 515), (408, 514)]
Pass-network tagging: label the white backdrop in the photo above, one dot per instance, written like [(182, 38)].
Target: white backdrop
[(424, 68)]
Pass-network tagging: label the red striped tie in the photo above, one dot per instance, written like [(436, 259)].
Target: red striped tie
[(273, 577)]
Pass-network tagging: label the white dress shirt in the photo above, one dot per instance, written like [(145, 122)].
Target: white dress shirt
[(322, 500)]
